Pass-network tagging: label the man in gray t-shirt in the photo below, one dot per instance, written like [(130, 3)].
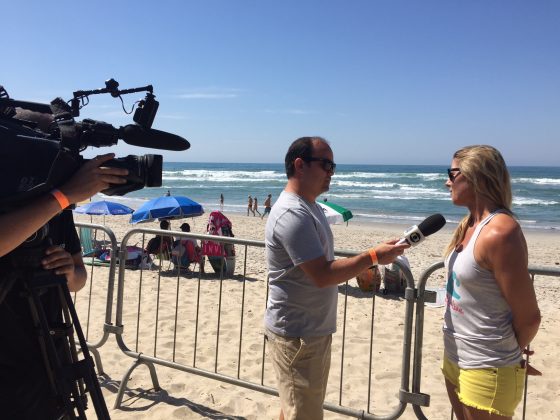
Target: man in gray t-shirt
[(303, 277)]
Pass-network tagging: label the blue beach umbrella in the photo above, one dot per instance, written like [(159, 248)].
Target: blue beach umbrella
[(167, 207), (104, 208)]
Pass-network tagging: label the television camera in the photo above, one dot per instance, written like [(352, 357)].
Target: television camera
[(37, 160)]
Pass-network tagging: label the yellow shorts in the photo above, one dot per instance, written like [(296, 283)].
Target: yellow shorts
[(495, 390), (302, 370)]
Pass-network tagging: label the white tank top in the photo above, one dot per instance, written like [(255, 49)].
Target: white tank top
[(477, 329)]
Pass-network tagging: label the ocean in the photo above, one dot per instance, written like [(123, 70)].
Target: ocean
[(377, 193)]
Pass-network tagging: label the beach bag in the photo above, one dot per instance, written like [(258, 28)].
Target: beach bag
[(394, 281)]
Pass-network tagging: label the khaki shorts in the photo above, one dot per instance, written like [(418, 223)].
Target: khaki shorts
[(302, 371)]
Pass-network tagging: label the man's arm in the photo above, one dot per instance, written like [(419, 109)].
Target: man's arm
[(91, 178), (328, 273)]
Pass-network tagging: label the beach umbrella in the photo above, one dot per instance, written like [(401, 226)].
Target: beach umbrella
[(167, 207), (103, 208), (335, 213)]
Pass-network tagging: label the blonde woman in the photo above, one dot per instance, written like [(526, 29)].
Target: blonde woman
[(491, 310)]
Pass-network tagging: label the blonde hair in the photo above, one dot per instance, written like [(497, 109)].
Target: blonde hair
[(485, 170)]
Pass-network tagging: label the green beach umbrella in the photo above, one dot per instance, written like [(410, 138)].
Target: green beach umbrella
[(335, 213)]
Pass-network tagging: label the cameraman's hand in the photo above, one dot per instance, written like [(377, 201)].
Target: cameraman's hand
[(388, 251), (61, 262), (91, 178)]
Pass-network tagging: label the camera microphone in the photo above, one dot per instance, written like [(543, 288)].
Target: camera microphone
[(148, 137), (416, 234)]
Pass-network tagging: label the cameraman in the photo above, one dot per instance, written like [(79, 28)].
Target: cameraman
[(25, 390)]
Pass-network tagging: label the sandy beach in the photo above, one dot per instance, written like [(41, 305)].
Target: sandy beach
[(187, 396)]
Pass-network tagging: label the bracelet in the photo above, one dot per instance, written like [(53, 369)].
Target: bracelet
[(60, 198), (373, 256)]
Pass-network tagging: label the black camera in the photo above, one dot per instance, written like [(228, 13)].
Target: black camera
[(37, 158)]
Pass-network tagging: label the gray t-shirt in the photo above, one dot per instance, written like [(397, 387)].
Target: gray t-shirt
[(298, 231)]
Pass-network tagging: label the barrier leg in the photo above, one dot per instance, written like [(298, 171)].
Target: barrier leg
[(126, 377)]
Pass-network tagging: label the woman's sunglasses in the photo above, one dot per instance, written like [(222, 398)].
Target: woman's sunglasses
[(453, 173), (327, 164)]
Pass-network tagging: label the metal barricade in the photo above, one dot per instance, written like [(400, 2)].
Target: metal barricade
[(251, 343), (428, 296), (89, 241)]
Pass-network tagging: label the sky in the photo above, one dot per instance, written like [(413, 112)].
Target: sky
[(386, 82)]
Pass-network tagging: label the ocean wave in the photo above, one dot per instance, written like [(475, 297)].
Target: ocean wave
[(522, 201), (359, 184), (536, 181), (223, 176), (407, 175)]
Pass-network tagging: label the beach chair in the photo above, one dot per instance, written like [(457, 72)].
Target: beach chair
[(159, 247), (90, 251), (184, 254), (88, 248)]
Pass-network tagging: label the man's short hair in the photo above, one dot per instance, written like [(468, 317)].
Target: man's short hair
[(164, 224), (300, 148)]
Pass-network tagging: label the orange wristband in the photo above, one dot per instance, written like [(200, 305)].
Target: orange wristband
[(373, 256), (61, 198)]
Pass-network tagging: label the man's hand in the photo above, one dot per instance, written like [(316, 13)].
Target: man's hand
[(388, 251), (59, 260), (91, 178)]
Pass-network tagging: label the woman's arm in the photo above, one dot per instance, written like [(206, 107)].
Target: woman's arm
[(502, 249)]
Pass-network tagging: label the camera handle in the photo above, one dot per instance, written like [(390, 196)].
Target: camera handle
[(67, 377)]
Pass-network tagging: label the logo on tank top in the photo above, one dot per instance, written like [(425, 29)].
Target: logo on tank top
[(453, 283)]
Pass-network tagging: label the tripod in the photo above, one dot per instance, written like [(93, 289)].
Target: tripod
[(69, 378)]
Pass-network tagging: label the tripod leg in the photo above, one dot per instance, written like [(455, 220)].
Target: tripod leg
[(53, 365), (90, 377)]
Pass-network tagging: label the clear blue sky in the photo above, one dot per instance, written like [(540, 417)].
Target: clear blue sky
[(385, 81)]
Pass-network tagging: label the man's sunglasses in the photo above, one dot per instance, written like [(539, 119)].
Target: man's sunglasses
[(453, 173), (327, 164)]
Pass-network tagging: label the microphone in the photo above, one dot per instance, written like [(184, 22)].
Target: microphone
[(148, 137), (416, 234)]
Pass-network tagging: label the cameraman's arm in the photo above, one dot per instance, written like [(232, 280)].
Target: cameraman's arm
[(91, 178)]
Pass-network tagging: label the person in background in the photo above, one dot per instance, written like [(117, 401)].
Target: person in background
[(161, 244), (491, 309), (221, 202), (187, 250), (267, 205), (250, 206), (256, 207), (303, 277)]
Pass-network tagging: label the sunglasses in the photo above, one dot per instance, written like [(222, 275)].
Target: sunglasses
[(453, 173), (327, 164)]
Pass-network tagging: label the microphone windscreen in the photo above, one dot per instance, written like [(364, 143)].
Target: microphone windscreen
[(137, 136), (431, 224)]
